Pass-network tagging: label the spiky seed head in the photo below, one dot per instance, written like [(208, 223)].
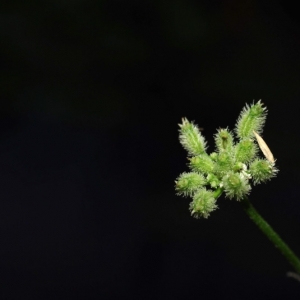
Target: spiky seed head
[(223, 164), (245, 151), (251, 118), (223, 140), (230, 167), (202, 163), (236, 185), (203, 204), (262, 170), (191, 138), (187, 183)]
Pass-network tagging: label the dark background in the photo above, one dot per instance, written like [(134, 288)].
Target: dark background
[(91, 95)]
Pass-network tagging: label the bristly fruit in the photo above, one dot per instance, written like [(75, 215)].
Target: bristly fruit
[(231, 167)]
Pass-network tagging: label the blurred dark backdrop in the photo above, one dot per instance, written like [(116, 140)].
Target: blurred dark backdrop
[(91, 95)]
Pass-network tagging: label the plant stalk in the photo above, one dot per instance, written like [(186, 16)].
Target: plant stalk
[(218, 192), (271, 234)]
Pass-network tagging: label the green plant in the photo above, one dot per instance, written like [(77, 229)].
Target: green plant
[(231, 169)]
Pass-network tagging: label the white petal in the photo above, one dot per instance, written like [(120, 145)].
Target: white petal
[(264, 148)]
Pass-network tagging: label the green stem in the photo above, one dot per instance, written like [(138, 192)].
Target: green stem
[(217, 193), (271, 234)]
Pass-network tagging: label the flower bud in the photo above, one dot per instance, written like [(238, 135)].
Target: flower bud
[(203, 204), (214, 156), (238, 167), (236, 185), (251, 118), (191, 138), (188, 183), (213, 180), (262, 170)]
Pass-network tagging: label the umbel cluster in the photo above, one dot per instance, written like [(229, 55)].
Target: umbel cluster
[(233, 165)]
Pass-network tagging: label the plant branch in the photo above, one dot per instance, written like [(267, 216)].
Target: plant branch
[(271, 234)]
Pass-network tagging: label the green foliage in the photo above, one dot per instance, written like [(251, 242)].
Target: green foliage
[(231, 168)]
